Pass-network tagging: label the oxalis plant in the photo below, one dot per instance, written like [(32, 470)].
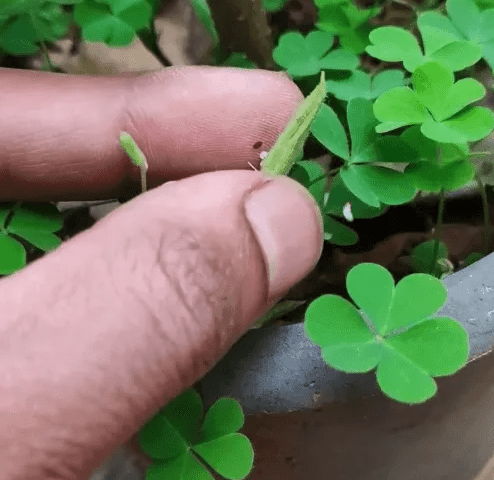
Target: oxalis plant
[(391, 134)]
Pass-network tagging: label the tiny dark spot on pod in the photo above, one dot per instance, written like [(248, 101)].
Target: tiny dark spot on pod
[(257, 145)]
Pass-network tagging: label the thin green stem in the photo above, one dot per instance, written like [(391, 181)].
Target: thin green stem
[(485, 208), (437, 232)]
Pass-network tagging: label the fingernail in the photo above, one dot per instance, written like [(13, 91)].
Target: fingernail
[(288, 225)]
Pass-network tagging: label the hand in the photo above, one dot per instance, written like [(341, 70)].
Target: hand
[(98, 335)]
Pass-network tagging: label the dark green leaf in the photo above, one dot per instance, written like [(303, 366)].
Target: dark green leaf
[(12, 255), (36, 216), (472, 258), (339, 196), (422, 257), (362, 124), (329, 131), (337, 233)]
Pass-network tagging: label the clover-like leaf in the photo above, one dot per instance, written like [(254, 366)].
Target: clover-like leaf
[(361, 85), (175, 440), (311, 175), (305, 56), (239, 461), (347, 21), (474, 25), (395, 44), (337, 233), (422, 257), (27, 24), (373, 185), (339, 197), (472, 258), (431, 177), (12, 255), (113, 22), (393, 331), (36, 223), (439, 105)]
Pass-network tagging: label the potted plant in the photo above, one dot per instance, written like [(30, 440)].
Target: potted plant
[(390, 115)]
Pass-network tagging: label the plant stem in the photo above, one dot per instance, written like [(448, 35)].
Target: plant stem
[(150, 40), (485, 205), (437, 232)]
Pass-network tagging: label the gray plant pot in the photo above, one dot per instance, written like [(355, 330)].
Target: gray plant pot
[(308, 421)]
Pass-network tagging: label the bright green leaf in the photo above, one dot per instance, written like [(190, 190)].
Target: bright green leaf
[(329, 131), (237, 464), (372, 288), (362, 125), (405, 310), (353, 358), (439, 346), (12, 255), (399, 107), (402, 380), (225, 416), (332, 320)]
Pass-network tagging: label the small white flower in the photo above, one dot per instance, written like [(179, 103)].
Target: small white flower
[(347, 211)]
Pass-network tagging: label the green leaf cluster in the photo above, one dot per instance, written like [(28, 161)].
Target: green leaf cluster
[(392, 330), (183, 447), (395, 44), (35, 223), (467, 21), (344, 19), (24, 25), (114, 22), (372, 183), (306, 56), (441, 106)]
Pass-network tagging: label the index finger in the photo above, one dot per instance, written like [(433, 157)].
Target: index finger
[(59, 134)]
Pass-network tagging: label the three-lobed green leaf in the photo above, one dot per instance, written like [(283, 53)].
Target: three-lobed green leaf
[(114, 22), (34, 222), (182, 449), (439, 105), (372, 184), (395, 44), (306, 56), (394, 331)]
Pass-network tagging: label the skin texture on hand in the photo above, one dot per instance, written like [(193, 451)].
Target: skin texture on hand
[(98, 335)]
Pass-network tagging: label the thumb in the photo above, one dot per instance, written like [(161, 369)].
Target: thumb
[(116, 322)]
